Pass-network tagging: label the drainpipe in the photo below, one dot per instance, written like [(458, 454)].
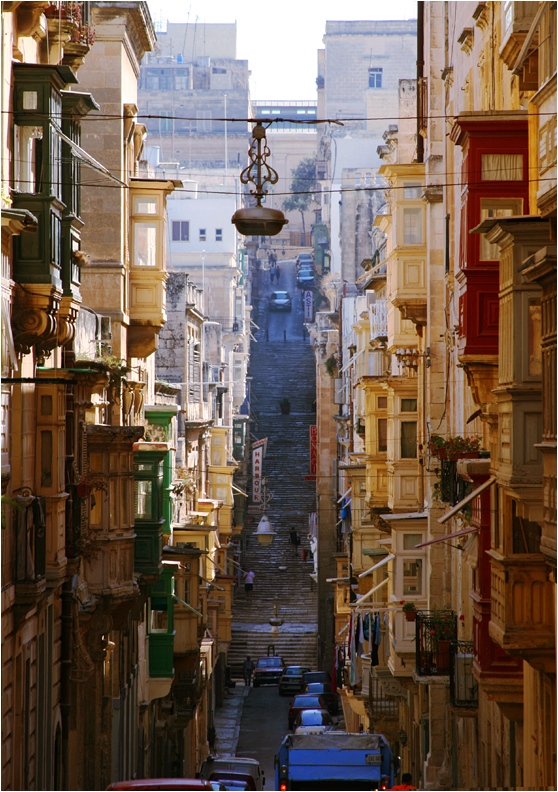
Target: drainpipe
[(420, 76), (65, 684)]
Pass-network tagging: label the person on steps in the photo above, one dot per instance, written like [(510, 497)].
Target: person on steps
[(249, 584)]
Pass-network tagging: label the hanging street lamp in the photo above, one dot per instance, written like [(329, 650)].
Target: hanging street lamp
[(258, 220), (264, 532)]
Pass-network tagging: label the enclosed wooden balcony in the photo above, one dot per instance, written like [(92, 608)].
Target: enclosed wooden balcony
[(523, 608)]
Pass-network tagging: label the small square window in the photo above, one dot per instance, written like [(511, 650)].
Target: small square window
[(203, 234), (375, 78), (382, 402), (408, 405), (218, 234)]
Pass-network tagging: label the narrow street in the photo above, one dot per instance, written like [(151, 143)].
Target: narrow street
[(282, 365), (262, 727)]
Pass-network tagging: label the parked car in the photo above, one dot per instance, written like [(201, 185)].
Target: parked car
[(313, 721), (268, 670), (316, 676), (304, 258), (302, 702), (323, 690), (291, 681), (305, 277), (230, 765), (163, 783), (226, 779), (280, 301)]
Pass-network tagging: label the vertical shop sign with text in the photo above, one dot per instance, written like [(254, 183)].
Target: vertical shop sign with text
[(257, 458), (308, 306), (313, 449)]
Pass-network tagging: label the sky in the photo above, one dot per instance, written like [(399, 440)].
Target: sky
[(280, 40)]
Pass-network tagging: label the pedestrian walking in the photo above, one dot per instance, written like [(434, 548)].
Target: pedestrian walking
[(277, 272), (272, 273), (249, 584), (294, 539), (406, 782), (248, 669)]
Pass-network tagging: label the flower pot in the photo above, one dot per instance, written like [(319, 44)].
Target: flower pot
[(83, 490), (441, 453), (410, 615)]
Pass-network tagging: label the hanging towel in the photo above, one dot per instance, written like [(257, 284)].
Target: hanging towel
[(377, 630)]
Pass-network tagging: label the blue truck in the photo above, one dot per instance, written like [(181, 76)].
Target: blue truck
[(334, 760)]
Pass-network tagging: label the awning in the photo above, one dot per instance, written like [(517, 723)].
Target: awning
[(369, 593), (518, 65), (8, 346), (471, 496), (87, 158), (188, 606), (352, 360), (381, 563), (344, 495), (448, 536)]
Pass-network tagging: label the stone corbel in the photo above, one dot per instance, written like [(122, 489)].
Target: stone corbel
[(67, 318), (35, 319), (482, 378)]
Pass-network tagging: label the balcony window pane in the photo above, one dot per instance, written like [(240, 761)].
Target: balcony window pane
[(382, 434), (502, 167), (408, 439), (143, 500), (28, 149), (496, 207), (145, 206), (410, 541), (145, 244), (412, 577), (412, 192), (412, 226), (159, 621)]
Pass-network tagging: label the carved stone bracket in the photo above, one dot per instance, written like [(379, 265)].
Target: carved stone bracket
[(35, 319)]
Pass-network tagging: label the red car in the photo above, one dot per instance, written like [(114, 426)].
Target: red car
[(304, 701), (162, 783), (268, 670)]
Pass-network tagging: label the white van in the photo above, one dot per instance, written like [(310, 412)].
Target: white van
[(234, 764)]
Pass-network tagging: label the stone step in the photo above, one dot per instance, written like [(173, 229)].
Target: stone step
[(296, 644)]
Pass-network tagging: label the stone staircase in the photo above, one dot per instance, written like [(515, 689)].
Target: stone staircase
[(279, 369)]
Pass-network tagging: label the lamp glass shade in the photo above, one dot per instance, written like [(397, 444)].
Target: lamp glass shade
[(258, 221), (265, 532)]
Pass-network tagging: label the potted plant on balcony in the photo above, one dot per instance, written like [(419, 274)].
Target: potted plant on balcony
[(89, 481), (285, 405), (410, 611), (437, 446), (458, 447), (442, 632)]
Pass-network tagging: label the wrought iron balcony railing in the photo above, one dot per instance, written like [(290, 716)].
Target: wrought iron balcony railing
[(463, 685), (435, 631)]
